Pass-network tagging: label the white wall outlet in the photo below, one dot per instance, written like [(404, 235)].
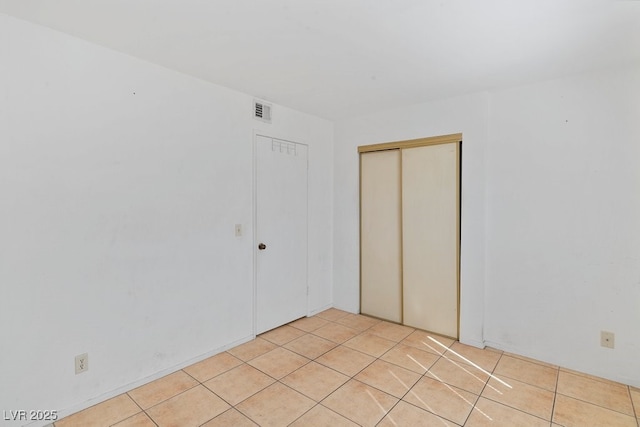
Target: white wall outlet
[(82, 363), (238, 230), (607, 339)]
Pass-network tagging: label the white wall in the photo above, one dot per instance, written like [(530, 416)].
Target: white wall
[(563, 229), (550, 213), (120, 185), (466, 114)]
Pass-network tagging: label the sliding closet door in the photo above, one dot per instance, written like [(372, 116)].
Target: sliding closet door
[(380, 235), (430, 237)]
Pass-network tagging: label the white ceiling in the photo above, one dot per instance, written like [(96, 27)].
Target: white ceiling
[(341, 58)]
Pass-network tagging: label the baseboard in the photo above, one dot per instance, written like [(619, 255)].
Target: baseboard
[(130, 386), (321, 309), (474, 343)]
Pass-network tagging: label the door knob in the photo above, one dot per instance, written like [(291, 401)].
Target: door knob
[(262, 246)]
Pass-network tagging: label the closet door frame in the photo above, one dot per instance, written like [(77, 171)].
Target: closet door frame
[(421, 142)]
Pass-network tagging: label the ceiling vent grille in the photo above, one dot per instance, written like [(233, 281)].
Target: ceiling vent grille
[(262, 111)]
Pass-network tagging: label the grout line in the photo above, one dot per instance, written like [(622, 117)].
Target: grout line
[(633, 406), (597, 405), (315, 403), (175, 395), (519, 410), (305, 412), (340, 415), (398, 399), (421, 376), (142, 411), (152, 420), (186, 373), (512, 378), (352, 377), (591, 377), (555, 396), (530, 360), (524, 382), (134, 401), (483, 389)]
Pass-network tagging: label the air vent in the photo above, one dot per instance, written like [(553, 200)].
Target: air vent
[(262, 111)]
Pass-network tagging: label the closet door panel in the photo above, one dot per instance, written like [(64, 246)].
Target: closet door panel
[(380, 235), (430, 237)]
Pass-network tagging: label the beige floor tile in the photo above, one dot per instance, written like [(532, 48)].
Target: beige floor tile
[(319, 416), (485, 359), (391, 331), (370, 344), (635, 398), (360, 403), (606, 394), (103, 414), (411, 358), (252, 349), (358, 322), (528, 372), (390, 378), (139, 420), (315, 380), (279, 362), (309, 324), (516, 394), (162, 389), (230, 418), (332, 314), (345, 360), (194, 407), (441, 399), (404, 414), (571, 412), (335, 332), (310, 346), (488, 413), (215, 365), (528, 359), (282, 335), (458, 374), (239, 383), (427, 341), (593, 377), (276, 405)]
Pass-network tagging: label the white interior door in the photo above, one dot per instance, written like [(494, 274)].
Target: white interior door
[(281, 232)]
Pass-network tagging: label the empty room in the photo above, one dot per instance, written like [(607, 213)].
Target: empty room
[(308, 213)]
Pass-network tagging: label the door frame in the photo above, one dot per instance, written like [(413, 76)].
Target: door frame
[(412, 143), (254, 201)]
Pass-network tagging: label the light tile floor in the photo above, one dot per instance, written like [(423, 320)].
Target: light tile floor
[(341, 369)]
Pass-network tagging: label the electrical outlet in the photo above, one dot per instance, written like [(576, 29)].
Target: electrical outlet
[(238, 230), (82, 363), (607, 339)]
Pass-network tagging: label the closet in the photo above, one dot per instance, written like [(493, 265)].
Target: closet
[(410, 232)]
